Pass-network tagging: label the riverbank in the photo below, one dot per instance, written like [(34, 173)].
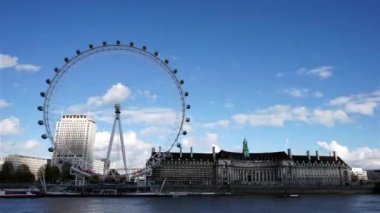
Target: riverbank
[(273, 190), (202, 190)]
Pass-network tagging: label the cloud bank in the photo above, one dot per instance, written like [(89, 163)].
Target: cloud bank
[(11, 62), (363, 157)]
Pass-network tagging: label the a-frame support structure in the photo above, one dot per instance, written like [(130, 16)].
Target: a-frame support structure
[(117, 120)]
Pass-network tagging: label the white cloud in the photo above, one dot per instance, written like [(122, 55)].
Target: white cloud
[(340, 100), (116, 94), (339, 111), (203, 143), (152, 130), (7, 61), (329, 117), (276, 116), (27, 67), (31, 144), (366, 108), (137, 151), (9, 126), (341, 151), (132, 115), (364, 157), (29, 148), (322, 72), (302, 93), (300, 114), (229, 105), (4, 103), (162, 132), (271, 116), (154, 116), (364, 104), (147, 94), (296, 92), (217, 124), (318, 94)]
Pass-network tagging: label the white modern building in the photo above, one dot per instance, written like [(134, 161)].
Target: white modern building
[(74, 140), (34, 163), (1, 163), (358, 174), (98, 166)]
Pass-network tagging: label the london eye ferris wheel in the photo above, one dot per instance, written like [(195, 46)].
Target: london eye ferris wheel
[(143, 87)]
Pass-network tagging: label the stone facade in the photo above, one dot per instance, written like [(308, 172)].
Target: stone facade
[(185, 168), (272, 168)]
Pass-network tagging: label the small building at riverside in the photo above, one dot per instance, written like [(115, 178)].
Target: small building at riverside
[(359, 175), (268, 168)]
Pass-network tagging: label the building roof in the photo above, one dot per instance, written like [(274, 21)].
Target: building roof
[(254, 156), (277, 156), (196, 156), (24, 156), (232, 155), (313, 159)]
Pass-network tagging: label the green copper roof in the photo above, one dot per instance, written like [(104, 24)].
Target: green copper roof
[(245, 148)]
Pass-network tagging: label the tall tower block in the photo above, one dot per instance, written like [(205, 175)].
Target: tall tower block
[(74, 138)]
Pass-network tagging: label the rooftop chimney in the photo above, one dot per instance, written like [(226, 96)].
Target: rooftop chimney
[(213, 153), (308, 154), (290, 153), (335, 157), (153, 150), (317, 154), (180, 152), (159, 150), (191, 152)]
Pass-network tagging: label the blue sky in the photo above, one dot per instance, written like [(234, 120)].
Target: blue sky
[(283, 74)]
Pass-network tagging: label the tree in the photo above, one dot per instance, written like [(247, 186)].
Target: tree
[(23, 174), (65, 172), (52, 174), (41, 171), (94, 179), (7, 172)]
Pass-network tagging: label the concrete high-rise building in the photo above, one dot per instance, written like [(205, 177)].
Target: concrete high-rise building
[(74, 139)]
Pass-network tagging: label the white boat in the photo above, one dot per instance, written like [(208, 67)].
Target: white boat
[(19, 193), (290, 195)]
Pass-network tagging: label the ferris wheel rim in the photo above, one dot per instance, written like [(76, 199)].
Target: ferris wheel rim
[(94, 50)]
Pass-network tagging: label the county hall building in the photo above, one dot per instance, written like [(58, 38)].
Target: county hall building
[(268, 168)]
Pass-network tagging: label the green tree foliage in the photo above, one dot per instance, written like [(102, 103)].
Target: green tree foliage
[(23, 174), (52, 174), (94, 179), (7, 172), (65, 172)]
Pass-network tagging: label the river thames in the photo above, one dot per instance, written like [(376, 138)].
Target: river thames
[(183, 204)]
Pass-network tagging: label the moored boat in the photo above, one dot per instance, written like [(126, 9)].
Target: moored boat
[(19, 193), (290, 195)]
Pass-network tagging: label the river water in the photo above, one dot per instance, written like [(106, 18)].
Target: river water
[(200, 204)]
